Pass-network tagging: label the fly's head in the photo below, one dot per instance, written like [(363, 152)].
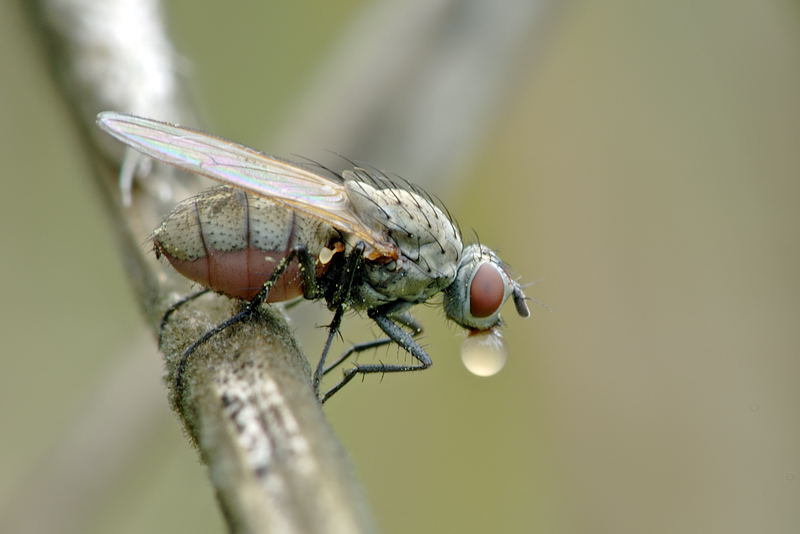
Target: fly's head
[(481, 287)]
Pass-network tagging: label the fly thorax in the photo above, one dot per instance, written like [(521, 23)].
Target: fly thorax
[(429, 243)]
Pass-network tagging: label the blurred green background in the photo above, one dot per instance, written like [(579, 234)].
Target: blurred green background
[(646, 167)]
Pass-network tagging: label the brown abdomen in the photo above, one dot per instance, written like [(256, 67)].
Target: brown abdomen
[(231, 242)]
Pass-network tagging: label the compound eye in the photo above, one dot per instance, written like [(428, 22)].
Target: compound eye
[(486, 291)]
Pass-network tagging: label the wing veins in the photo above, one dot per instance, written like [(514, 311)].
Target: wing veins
[(235, 164)]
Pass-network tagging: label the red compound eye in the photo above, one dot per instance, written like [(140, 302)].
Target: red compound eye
[(486, 292)]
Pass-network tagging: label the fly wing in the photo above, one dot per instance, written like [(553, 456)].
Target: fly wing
[(237, 165)]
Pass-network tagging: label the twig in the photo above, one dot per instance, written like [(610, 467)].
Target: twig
[(247, 402)]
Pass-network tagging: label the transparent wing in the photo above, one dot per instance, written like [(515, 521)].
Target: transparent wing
[(237, 165)]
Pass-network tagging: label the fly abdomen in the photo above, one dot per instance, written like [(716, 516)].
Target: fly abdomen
[(231, 242)]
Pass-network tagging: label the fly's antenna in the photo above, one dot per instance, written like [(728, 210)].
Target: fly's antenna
[(523, 286)]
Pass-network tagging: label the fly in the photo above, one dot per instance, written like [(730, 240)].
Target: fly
[(277, 231)]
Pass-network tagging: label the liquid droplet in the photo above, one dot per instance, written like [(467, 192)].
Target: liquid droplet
[(484, 353)]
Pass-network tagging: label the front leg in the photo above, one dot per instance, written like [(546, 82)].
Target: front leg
[(339, 302), (398, 335), (404, 318)]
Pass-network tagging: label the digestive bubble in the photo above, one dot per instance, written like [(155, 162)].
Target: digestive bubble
[(484, 352)]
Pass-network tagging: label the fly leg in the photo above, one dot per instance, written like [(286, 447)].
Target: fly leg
[(405, 319), (338, 303), (310, 289), (175, 307), (399, 336)]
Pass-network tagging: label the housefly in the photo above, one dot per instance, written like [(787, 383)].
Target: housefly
[(276, 231)]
